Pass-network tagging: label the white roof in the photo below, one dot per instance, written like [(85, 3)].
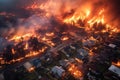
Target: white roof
[(112, 45), (58, 70), (27, 65), (115, 69)]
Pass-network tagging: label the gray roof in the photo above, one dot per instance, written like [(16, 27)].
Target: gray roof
[(58, 70), (115, 69), (82, 52)]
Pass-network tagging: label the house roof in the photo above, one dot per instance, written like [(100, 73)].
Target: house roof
[(58, 70), (115, 69), (82, 53), (112, 45), (36, 62), (27, 65)]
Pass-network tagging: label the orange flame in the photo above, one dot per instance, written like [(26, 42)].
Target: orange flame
[(13, 51), (65, 38), (117, 64), (75, 71), (17, 38)]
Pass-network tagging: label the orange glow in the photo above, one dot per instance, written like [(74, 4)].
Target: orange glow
[(13, 51), (49, 42), (35, 53), (16, 60), (92, 38), (44, 39), (31, 69), (75, 71), (65, 38), (31, 54), (76, 17), (2, 60), (83, 12), (50, 34), (117, 64), (81, 17), (97, 18), (26, 46), (91, 53), (17, 38), (78, 60)]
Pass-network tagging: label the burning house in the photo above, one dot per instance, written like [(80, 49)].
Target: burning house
[(28, 66), (35, 28)]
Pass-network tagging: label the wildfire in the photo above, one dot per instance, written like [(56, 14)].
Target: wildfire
[(74, 14), (48, 41), (32, 53), (16, 60), (76, 17), (17, 38), (98, 18), (35, 53), (75, 71), (80, 17)]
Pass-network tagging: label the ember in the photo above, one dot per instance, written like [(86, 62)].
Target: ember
[(117, 64), (65, 38), (75, 71)]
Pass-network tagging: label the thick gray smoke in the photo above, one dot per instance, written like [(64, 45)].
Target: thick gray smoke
[(15, 10)]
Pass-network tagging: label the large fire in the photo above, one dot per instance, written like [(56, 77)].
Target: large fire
[(77, 16), (59, 21), (82, 15)]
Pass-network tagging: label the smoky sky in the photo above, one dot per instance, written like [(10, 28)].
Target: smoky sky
[(113, 13), (17, 7), (115, 6)]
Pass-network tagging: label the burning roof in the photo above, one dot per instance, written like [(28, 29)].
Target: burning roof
[(37, 25)]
